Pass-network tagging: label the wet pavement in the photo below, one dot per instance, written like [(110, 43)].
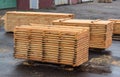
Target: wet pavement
[(11, 67)]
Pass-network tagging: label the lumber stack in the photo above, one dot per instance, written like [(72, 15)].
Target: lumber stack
[(116, 26), (52, 44), (105, 1), (100, 31), (14, 18)]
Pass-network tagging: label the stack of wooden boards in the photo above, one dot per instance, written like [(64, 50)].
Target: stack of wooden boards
[(100, 31), (105, 1), (53, 44), (116, 26), (14, 18)]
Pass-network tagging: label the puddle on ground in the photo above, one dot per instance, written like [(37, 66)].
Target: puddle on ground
[(100, 65), (97, 65)]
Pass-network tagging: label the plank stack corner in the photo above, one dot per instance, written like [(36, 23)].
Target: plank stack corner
[(100, 31), (14, 18), (53, 44), (116, 26)]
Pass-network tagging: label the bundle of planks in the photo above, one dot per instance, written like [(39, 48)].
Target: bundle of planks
[(52, 44), (14, 18), (105, 1), (116, 26), (100, 31)]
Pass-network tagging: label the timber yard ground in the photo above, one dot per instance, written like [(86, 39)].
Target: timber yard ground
[(11, 67)]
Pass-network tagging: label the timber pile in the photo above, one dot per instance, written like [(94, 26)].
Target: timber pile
[(14, 18), (52, 44), (100, 31), (105, 1), (116, 26)]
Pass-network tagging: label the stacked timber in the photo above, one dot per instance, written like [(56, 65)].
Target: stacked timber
[(116, 26), (105, 1), (52, 44), (100, 31), (14, 18)]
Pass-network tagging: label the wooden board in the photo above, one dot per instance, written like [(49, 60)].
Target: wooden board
[(116, 26), (15, 18), (100, 31), (53, 44)]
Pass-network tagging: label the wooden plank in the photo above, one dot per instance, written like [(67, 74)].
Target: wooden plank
[(116, 26)]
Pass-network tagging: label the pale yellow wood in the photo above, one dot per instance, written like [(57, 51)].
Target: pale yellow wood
[(14, 18), (100, 30), (116, 26), (53, 44)]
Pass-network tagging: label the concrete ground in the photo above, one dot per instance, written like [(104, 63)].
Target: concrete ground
[(10, 67)]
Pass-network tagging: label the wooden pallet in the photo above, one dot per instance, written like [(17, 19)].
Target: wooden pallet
[(116, 26), (58, 66), (100, 31), (53, 44), (14, 18)]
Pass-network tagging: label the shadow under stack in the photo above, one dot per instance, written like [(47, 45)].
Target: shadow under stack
[(14, 18), (53, 44), (100, 31)]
